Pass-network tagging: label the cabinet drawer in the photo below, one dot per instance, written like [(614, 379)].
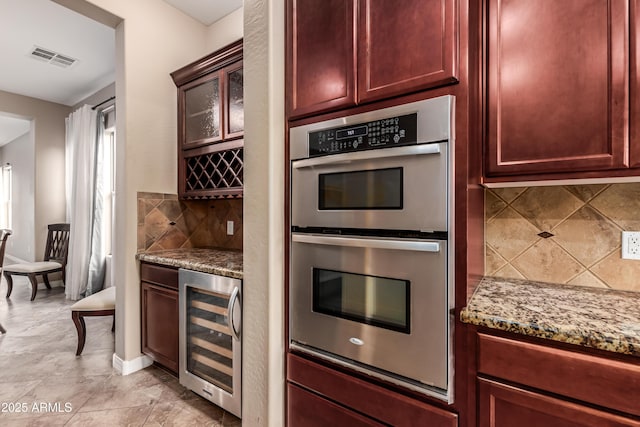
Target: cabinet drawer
[(379, 403), (159, 275), (501, 405), (308, 410), (597, 380)]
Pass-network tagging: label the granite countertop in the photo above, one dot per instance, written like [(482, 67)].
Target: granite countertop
[(592, 317), (223, 262)]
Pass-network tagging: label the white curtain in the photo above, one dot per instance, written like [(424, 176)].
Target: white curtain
[(80, 170)]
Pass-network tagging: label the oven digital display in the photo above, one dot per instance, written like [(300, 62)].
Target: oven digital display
[(351, 132), (378, 189), (377, 301)]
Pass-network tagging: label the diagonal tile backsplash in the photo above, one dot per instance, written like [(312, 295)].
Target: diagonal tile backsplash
[(164, 222), (563, 234)]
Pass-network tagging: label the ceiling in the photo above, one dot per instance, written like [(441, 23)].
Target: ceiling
[(206, 11), (27, 24)]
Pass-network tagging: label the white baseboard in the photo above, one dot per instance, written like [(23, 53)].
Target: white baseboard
[(126, 367)]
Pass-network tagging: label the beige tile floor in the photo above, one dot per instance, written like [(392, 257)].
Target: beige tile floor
[(43, 383)]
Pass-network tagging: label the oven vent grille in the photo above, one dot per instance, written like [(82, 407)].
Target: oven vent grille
[(55, 58)]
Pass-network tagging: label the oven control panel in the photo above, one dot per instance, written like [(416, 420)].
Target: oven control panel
[(389, 132)]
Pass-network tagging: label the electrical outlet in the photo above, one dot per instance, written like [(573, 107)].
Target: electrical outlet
[(631, 244), (230, 228)]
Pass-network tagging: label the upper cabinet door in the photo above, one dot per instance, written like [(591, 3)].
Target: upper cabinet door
[(557, 86), (321, 55), (200, 102), (634, 121), (234, 101), (405, 46)]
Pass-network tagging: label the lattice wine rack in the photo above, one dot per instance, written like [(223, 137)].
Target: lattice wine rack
[(214, 175)]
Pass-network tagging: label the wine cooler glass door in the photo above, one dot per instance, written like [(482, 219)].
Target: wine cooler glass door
[(212, 319)]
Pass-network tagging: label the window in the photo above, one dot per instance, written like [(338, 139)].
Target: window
[(5, 197), (107, 153)]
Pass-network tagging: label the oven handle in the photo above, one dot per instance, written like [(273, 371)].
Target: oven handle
[(232, 302), (366, 155), (412, 245)]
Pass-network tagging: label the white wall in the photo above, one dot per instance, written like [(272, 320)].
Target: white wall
[(98, 97), (225, 31), (263, 218), (20, 153), (48, 139), (152, 40)]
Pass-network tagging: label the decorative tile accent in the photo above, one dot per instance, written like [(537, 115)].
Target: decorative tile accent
[(625, 273), (493, 204), (585, 192), (546, 261), (587, 235), (621, 204), (587, 279), (584, 225), (493, 261), (509, 272), (510, 234), (546, 207), (164, 222), (508, 194)]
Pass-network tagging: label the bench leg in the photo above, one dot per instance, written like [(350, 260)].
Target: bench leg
[(34, 286), (2, 330), (9, 283), (45, 277), (78, 320)]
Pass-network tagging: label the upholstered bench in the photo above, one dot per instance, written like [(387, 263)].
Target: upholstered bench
[(101, 303)]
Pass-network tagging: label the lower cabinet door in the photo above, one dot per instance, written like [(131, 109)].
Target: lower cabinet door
[(305, 409), (160, 324), (501, 405)]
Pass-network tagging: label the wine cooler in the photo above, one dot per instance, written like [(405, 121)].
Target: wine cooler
[(210, 338)]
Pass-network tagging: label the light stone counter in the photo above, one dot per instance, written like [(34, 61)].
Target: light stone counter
[(223, 262), (592, 317)]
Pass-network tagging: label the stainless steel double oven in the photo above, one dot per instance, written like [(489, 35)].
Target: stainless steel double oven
[(371, 283)]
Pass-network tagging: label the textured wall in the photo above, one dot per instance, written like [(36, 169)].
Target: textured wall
[(563, 234), (164, 222)]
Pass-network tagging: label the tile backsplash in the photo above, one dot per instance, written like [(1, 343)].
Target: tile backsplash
[(563, 234), (164, 222)]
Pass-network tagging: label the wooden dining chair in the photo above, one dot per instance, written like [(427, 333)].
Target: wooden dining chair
[(55, 260), (4, 234)]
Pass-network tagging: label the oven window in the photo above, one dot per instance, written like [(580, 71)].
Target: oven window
[(376, 301), (367, 189)]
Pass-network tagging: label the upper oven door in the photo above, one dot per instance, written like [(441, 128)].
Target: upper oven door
[(403, 188)]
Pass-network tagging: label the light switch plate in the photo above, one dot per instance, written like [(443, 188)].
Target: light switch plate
[(230, 228), (631, 244)]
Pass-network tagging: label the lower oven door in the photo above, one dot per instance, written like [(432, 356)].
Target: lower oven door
[(378, 305)]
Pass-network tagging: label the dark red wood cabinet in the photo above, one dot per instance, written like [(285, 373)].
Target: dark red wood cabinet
[(159, 307), (528, 384), (318, 395), (211, 125), (347, 52), (503, 405), (557, 86), (309, 410)]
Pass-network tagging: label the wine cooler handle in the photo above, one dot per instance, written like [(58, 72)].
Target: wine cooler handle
[(232, 302)]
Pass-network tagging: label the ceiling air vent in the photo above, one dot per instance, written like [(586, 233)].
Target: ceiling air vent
[(52, 57)]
